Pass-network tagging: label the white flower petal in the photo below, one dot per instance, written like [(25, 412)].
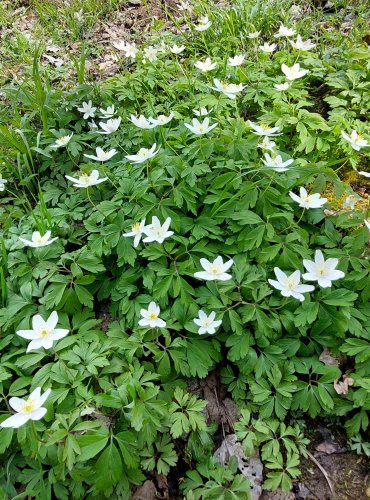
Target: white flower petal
[(16, 420), (17, 403)]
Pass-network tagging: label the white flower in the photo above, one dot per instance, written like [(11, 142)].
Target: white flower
[(282, 86), (143, 154), (302, 45), (137, 231), (268, 48), (102, 155), (290, 286), (62, 141), (43, 333), (92, 125), (87, 109), (107, 113), (236, 60), (362, 172), (38, 241), (161, 119), (350, 201), (356, 140), (308, 200), (150, 317), (150, 53), (110, 126), (215, 270), (141, 122), (205, 66), (79, 16), (263, 129), (204, 24), (277, 163), (200, 128), (267, 144), (294, 72), (177, 49), (202, 112), (156, 232), (27, 409), (207, 324), (86, 180), (254, 34), (120, 45), (129, 49), (322, 271), (284, 31), (228, 89), (367, 223), (2, 183), (183, 6)]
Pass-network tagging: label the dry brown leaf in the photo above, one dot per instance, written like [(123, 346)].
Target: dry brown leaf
[(342, 387), (328, 447), (328, 359), (146, 491), (250, 467)]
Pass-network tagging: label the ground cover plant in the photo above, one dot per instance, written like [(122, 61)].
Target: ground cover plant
[(187, 217)]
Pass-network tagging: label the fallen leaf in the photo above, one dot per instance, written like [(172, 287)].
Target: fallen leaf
[(146, 491), (328, 447), (250, 467), (342, 387), (328, 359)]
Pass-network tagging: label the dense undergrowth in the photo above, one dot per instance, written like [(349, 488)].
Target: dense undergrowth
[(151, 227)]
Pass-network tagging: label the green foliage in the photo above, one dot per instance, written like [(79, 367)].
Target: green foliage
[(209, 480), (280, 446), (121, 409)]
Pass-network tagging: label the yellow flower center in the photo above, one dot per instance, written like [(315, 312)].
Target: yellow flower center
[(143, 152), (29, 406), (307, 198), (136, 227), (84, 178), (291, 284), (41, 239), (214, 270), (153, 316), (44, 332)]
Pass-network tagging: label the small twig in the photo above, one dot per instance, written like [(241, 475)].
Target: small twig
[(219, 410), (325, 474)]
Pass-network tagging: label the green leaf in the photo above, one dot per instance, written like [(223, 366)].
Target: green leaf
[(90, 262), (247, 217), (357, 347), (6, 435), (202, 356), (126, 251), (127, 442), (108, 469), (84, 296), (340, 297), (239, 346), (91, 444)]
